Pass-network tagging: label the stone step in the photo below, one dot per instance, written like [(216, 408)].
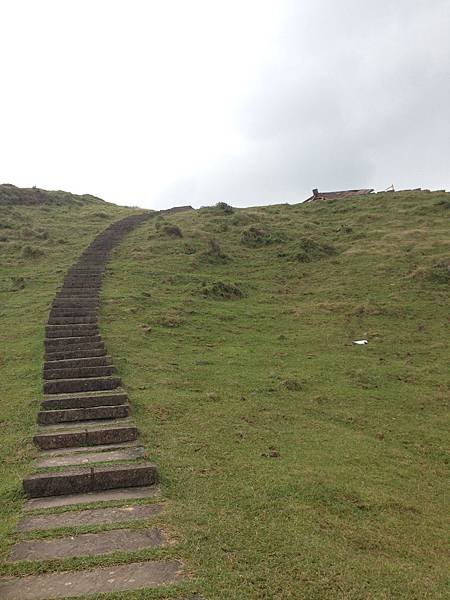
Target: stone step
[(95, 516), (64, 386), (68, 304), (52, 343), (83, 401), (79, 372), (95, 350), (76, 320), (89, 479), (65, 331), (92, 361), (88, 544), (87, 458), (83, 425), (121, 578), (87, 449), (49, 417), (113, 495), (85, 437), (72, 312)]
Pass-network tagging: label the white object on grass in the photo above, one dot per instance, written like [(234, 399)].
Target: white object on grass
[(361, 342)]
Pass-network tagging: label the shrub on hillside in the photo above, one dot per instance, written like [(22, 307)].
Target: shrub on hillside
[(253, 237), (214, 255), (172, 231), (440, 271), (309, 250), (32, 252), (221, 290), (225, 208), (241, 218)]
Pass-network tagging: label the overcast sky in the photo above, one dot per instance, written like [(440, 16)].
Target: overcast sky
[(158, 103)]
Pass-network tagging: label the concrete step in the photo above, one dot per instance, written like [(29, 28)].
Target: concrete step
[(74, 320), (79, 372), (52, 343), (85, 425), (95, 516), (68, 304), (92, 361), (89, 479), (87, 458), (89, 352), (87, 437), (63, 331), (101, 580), (64, 386), (49, 417), (83, 401), (88, 544), (113, 495), (87, 449)]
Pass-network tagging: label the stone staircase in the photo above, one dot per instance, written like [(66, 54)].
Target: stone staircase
[(89, 451)]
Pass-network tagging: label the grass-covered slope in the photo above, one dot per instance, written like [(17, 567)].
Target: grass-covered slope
[(297, 464), (38, 242)]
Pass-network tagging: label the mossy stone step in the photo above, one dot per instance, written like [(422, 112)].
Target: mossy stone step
[(85, 437), (71, 330), (63, 386), (79, 372), (87, 458), (89, 479), (88, 544), (111, 495), (75, 320), (95, 516), (91, 361), (121, 578), (49, 417), (83, 401), (61, 342), (95, 350)]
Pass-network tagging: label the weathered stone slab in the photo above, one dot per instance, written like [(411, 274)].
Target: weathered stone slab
[(84, 449), (88, 544), (84, 401), (112, 495), (72, 320), (85, 352), (81, 341), (77, 481), (80, 458), (79, 372), (72, 330), (64, 386), (121, 578), (96, 516), (49, 417), (85, 437), (89, 361), (85, 425)]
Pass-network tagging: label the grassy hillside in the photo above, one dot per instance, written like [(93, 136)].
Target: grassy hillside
[(296, 464), (38, 242)]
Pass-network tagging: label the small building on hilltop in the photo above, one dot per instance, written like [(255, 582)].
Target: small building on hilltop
[(337, 195)]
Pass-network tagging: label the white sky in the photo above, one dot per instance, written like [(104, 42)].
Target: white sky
[(159, 103)]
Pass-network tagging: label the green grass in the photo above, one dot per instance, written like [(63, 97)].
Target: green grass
[(294, 464), (297, 465)]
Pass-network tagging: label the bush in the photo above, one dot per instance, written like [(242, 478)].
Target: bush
[(255, 238), (241, 218), (225, 208), (172, 231), (308, 250), (31, 252), (214, 254), (222, 291), (440, 272)]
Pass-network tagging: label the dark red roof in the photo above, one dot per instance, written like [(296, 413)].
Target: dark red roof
[(341, 194)]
